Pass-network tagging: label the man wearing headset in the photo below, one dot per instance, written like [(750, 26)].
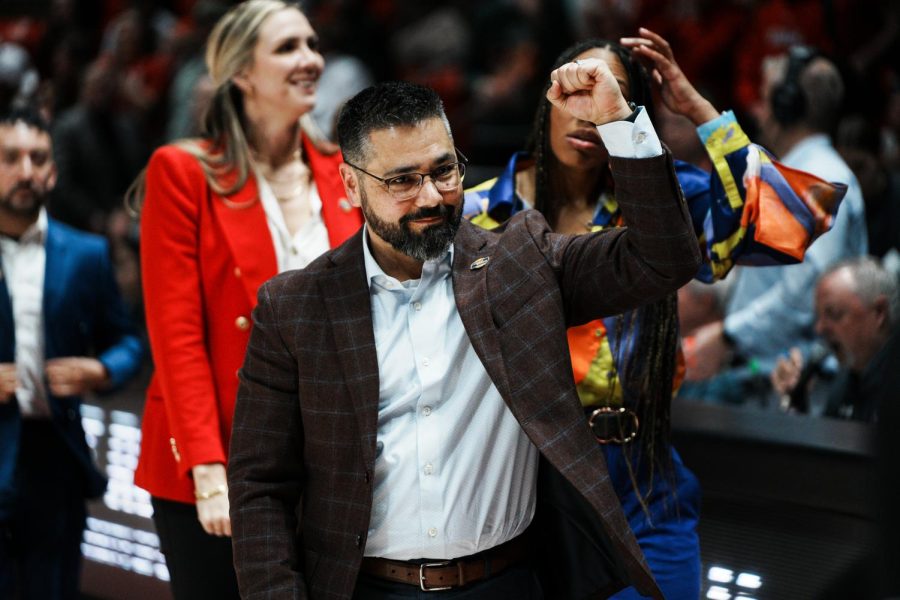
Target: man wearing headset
[(771, 308)]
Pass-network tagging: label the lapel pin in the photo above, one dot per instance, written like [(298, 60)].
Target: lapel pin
[(345, 205), (479, 263)]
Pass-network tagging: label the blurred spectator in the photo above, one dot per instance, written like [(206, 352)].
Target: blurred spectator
[(98, 153), (702, 33), (18, 79), (70, 42), (191, 88), (774, 27), (345, 74), (858, 308), (63, 333), (701, 303), (859, 143), (771, 308), (505, 81), (857, 313), (138, 50)]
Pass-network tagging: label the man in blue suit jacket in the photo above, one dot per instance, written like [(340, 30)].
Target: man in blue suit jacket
[(59, 308)]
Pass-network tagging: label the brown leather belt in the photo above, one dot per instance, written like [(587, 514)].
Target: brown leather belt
[(434, 576)]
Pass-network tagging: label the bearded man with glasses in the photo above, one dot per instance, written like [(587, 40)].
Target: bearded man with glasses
[(407, 420)]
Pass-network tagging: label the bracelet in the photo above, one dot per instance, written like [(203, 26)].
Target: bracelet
[(207, 494)]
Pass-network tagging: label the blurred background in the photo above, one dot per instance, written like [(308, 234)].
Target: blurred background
[(786, 496)]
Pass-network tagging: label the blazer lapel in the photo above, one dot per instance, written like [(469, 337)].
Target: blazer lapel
[(55, 285), (472, 302), (243, 222), (345, 291), (7, 327)]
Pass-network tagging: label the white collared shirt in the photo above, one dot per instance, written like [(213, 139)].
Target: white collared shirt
[(311, 240), (454, 471), (23, 264)]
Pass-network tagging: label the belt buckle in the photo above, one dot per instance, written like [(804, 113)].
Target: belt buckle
[(424, 566), (625, 419)]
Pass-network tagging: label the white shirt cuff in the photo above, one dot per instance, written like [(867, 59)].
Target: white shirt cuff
[(624, 139)]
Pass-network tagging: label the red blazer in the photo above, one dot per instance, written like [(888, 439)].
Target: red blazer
[(202, 260)]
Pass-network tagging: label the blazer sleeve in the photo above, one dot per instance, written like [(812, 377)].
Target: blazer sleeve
[(618, 269), (120, 349), (170, 263), (265, 472)]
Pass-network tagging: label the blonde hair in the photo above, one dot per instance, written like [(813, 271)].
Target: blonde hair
[(224, 152)]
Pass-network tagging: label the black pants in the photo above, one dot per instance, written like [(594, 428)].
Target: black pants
[(518, 582), (200, 565), (40, 548)]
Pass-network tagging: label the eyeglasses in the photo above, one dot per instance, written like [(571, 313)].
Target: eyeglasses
[(446, 178)]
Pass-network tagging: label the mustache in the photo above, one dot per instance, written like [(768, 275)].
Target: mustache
[(441, 210), (24, 185)]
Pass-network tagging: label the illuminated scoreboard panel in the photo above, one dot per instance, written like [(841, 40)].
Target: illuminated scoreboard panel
[(120, 546)]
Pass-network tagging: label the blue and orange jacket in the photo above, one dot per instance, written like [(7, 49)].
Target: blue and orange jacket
[(751, 210)]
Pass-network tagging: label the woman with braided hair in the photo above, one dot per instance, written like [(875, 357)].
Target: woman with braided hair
[(628, 367)]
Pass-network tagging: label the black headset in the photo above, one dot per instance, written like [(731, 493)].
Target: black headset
[(787, 98)]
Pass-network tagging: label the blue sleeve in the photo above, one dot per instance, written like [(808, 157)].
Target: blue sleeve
[(116, 338)]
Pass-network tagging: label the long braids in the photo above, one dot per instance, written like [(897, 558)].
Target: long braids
[(647, 369)]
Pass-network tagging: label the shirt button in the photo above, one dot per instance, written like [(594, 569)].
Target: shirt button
[(242, 323), (432, 532), (429, 469), (425, 362), (640, 137), (417, 306), (426, 411), (294, 250)]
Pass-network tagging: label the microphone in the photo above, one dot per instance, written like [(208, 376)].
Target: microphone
[(799, 398)]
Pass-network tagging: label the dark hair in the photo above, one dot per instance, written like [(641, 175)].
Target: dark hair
[(29, 116), (647, 371), (539, 139), (389, 104)]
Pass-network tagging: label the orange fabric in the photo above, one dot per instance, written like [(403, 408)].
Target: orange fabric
[(202, 261), (584, 342), (776, 227)]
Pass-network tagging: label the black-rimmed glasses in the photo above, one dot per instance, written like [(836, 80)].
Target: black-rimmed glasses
[(446, 178)]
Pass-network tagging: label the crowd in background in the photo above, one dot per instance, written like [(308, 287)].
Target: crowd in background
[(118, 78)]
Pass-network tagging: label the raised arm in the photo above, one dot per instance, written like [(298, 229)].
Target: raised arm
[(749, 210), (609, 272)]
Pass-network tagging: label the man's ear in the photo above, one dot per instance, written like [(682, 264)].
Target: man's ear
[(882, 308), (351, 184), (51, 180)]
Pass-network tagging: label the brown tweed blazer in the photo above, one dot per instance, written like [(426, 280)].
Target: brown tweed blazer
[(303, 444)]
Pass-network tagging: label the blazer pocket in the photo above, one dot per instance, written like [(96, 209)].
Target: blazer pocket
[(524, 294)]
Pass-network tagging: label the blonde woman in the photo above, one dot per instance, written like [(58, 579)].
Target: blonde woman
[(220, 215)]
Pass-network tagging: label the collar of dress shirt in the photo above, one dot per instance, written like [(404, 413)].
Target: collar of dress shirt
[(36, 232), (374, 270)]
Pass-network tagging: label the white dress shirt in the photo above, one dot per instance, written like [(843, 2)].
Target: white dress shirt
[(23, 264), (455, 473), (311, 240)]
